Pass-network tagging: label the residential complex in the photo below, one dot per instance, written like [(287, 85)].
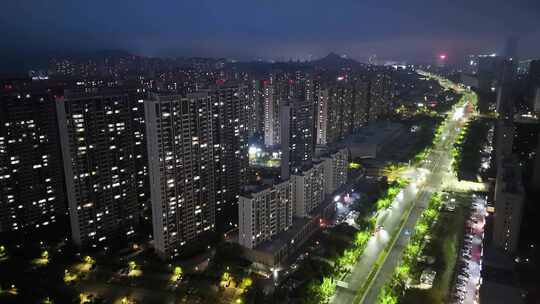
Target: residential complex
[(101, 150), (181, 161), (31, 177), (276, 218), (230, 131)]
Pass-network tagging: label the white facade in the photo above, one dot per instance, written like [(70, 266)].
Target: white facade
[(309, 190), (272, 129), (264, 214), (322, 117), (336, 170)]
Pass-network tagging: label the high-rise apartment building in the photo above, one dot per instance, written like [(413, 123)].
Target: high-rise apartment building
[(534, 74), (504, 142), (31, 178), (265, 213), (341, 109), (509, 204), (536, 100), (255, 105), (230, 111), (104, 163), (336, 170), (296, 135), (380, 95), (339, 112), (505, 96), (360, 107), (271, 104), (536, 170), (321, 117), (180, 140), (309, 189), (489, 67)]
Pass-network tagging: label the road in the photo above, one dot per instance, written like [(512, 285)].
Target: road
[(427, 179)]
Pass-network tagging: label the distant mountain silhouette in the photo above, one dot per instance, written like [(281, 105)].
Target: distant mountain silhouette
[(116, 53), (334, 61)]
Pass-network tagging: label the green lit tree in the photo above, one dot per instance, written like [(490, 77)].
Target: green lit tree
[(327, 289)]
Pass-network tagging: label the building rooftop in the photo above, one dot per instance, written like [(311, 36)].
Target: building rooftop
[(281, 239), (263, 184), (376, 133)]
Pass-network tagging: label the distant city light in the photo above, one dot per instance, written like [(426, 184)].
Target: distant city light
[(253, 150), (442, 56)]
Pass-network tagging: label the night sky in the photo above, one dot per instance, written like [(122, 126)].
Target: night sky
[(415, 30)]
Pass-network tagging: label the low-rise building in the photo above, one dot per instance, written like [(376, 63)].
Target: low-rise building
[(276, 219)]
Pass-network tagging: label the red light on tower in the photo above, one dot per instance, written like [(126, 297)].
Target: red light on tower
[(442, 56)]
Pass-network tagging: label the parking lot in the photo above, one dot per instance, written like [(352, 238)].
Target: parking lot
[(467, 281)]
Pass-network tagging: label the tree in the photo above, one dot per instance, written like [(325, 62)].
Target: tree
[(402, 272), (430, 214), (246, 283), (327, 288), (226, 277), (88, 260), (132, 265), (361, 239), (348, 258), (387, 296), (421, 229), (47, 300), (178, 271)]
